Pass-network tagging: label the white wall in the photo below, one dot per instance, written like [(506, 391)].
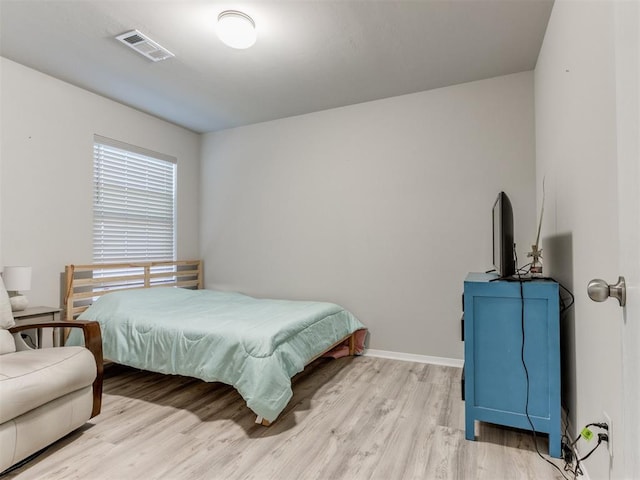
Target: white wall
[(382, 207), (46, 157), (575, 101)]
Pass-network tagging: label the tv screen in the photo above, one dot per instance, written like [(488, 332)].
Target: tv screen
[(503, 247)]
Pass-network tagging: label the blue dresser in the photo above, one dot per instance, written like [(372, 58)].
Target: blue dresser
[(495, 379)]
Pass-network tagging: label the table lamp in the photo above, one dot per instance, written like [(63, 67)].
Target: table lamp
[(17, 279)]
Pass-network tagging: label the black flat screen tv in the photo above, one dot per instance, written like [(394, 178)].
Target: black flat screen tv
[(503, 246)]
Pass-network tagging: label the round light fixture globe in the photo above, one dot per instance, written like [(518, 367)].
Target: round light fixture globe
[(236, 29)]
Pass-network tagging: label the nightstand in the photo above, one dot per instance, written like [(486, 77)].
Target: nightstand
[(40, 313)]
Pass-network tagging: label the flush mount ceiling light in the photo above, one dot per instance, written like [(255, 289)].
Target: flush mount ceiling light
[(236, 29)]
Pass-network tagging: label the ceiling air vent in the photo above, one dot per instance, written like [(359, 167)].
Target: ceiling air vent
[(144, 46)]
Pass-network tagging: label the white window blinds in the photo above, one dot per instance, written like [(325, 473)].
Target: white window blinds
[(134, 203)]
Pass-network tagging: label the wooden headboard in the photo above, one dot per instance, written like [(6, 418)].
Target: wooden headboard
[(83, 283)]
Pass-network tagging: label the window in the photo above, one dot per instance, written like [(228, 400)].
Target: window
[(134, 203)]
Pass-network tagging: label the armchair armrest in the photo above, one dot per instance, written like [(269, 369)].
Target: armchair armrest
[(92, 341)]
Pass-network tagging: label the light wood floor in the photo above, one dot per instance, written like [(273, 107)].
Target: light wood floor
[(352, 418)]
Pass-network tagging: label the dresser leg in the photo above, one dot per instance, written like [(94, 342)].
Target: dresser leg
[(555, 447), (469, 430)]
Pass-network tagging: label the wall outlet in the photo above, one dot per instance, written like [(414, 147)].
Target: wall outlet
[(607, 420)]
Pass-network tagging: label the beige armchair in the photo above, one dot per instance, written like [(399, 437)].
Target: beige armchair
[(46, 393)]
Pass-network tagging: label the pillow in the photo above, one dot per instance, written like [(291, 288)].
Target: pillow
[(6, 317)]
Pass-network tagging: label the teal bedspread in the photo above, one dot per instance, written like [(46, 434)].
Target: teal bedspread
[(256, 345)]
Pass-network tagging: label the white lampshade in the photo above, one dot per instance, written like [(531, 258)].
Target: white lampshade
[(17, 278), (236, 29)]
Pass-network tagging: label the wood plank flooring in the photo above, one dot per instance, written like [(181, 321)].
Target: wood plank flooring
[(352, 418)]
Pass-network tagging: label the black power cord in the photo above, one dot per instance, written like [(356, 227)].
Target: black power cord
[(528, 382), (566, 445), (602, 437)]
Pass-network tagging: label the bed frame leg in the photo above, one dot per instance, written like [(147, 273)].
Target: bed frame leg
[(262, 421), (352, 344)]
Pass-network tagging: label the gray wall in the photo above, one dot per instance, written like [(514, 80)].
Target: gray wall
[(47, 165), (382, 207), (576, 149)]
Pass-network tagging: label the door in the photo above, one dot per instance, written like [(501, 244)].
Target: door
[(627, 41), (586, 95)]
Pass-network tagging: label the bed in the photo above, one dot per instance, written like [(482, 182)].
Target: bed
[(255, 345)]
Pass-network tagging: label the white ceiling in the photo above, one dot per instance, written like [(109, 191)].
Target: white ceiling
[(309, 56)]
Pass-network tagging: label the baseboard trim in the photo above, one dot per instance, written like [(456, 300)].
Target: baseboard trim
[(412, 357)]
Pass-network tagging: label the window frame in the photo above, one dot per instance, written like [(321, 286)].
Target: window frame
[(151, 179)]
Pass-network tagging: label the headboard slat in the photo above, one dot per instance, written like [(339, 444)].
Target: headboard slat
[(87, 282)]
